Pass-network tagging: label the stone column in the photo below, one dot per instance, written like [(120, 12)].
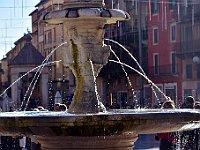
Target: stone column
[(84, 37), (44, 89), (15, 101)]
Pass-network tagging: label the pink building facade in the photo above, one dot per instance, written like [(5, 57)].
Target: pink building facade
[(164, 68)]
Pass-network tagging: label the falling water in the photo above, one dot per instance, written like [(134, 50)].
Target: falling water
[(25, 75), (100, 105), (128, 79), (35, 78), (128, 53), (33, 81), (142, 71), (37, 75), (141, 75)]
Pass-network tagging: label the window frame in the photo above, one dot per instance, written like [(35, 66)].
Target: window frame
[(155, 40), (172, 5), (173, 63), (156, 63), (173, 33), (154, 7), (188, 73)]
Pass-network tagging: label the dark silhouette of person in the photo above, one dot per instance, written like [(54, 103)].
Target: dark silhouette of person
[(187, 138), (56, 107), (197, 131), (63, 107), (189, 103), (167, 140)]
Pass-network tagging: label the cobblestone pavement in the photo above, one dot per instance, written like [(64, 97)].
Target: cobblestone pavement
[(146, 142)]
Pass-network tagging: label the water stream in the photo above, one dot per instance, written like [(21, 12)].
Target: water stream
[(95, 85), (141, 75), (37, 75), (1, 95), (39, 68), (138, 64), (35, 78)]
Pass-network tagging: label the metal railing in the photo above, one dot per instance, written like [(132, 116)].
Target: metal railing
[(163, 70)]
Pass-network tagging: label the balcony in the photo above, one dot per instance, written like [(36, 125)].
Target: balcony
[(164, 70), (188, 49), (129, 36)]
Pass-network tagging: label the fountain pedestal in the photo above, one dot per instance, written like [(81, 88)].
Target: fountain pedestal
[(115, 142), (85, 55)]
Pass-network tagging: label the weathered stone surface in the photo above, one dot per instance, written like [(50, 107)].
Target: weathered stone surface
[(85, 55), (98, 130), (113, 122), (115, 142)]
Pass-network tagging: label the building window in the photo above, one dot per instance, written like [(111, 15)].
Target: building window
[(41, 31), (187, 92), (122, 97), (50, 58), (54, 34), (173, 63), (173, 32), (189, 71), (172, 4), (49, 37), (198, 71), (45, 38), (155, 35), (154, 6), (156, 64)]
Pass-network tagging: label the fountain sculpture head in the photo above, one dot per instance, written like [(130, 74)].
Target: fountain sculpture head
[(84, 22)]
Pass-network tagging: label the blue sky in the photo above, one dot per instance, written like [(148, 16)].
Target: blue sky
[(14, 21)]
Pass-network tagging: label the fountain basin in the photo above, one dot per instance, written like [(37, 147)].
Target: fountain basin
[(113, 122), (117, 129)]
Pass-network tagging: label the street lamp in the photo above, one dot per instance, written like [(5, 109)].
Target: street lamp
[(196, 59)]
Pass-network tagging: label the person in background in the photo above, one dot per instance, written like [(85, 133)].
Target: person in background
[(187, 138), (56, 107), (63, 107), (197, 105), (189, 103), (167, 140), (60, 107), (197, 131)]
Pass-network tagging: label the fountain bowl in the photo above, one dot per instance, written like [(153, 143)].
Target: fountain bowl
[(119, 127)]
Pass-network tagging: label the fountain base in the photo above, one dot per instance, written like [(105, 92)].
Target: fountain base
[(117, 142)]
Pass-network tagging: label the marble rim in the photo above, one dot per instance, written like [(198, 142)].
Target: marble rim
[(57, 17)]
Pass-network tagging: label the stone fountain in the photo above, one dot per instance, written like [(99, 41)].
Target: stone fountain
[(86, 125), (84, 23)]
